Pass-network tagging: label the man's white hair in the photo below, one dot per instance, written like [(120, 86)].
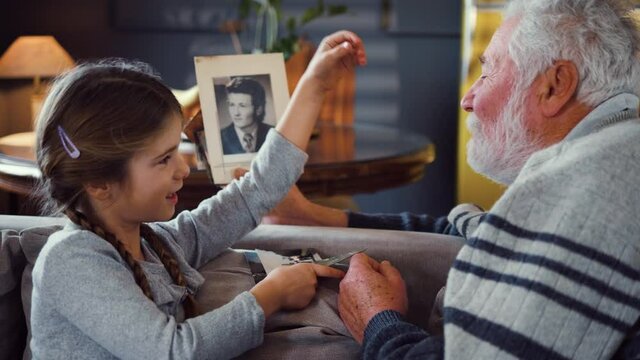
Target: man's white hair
[(599, 36)]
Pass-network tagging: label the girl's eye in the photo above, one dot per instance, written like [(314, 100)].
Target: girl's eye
[(483, 77), (165, 159)]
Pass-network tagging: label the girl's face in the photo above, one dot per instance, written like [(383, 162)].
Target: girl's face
[(155, 174)]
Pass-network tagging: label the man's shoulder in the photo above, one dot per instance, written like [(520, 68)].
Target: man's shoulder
[(227, 129), (597, 154), (619, 140), (228, 134), (264, 128), (592, 181)]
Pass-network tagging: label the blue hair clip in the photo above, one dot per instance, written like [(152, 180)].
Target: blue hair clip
[(68, 145)]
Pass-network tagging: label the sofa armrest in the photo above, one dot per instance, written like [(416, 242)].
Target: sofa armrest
[(423, 259), (21, 222)]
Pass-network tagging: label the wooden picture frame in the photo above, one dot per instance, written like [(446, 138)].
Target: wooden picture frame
[(222, 83)]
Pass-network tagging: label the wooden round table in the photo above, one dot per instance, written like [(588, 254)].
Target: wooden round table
[(343, 160)]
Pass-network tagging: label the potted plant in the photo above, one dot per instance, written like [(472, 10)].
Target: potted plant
[(268, 20)]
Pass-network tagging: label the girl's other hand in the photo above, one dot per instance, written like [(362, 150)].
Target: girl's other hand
[(291, 287), (339, 52)]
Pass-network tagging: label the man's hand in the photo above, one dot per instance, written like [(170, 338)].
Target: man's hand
[(296, 209), (369, 288)]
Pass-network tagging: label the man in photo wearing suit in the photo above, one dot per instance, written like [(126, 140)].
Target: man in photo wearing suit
[(246, 101)]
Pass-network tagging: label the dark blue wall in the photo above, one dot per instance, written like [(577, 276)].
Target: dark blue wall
[(411, 81)]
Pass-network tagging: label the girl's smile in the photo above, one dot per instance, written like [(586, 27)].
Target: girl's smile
[(173, 198)]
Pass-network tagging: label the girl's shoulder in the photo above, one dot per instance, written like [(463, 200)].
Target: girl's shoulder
[(71, 245)]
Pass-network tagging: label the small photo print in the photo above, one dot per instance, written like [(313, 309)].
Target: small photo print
[(245, 112), (242, 97), (262, 262)]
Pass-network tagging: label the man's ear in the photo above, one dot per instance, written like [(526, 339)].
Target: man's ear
[(259, 110), (99, 191), (558, 86)]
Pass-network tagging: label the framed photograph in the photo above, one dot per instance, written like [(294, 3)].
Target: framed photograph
[(241, 98)]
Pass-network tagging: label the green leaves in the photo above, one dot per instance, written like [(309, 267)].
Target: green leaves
[(268, 16), (321, 10), (337, 10)]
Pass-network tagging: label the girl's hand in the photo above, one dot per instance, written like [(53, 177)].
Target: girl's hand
[(338, 53), (291, 287)]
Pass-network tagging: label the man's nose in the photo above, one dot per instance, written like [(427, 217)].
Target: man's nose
[(467, 101)]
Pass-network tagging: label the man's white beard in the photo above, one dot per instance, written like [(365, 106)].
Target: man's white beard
[(499, 149)]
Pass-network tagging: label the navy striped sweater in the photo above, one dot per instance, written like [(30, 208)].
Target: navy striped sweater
[(552, 270)]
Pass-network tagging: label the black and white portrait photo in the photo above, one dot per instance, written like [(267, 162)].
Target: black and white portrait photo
[(242, 97), (245, 112)]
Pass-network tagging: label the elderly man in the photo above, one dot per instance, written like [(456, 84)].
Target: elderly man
[(553, 269)]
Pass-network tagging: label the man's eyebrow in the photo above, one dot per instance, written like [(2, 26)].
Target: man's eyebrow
[(482, 59)]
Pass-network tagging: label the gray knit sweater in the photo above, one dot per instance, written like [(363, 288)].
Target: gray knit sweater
[(553, 269), (86, 304)]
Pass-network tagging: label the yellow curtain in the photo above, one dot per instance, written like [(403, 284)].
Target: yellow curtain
[(480, 20)]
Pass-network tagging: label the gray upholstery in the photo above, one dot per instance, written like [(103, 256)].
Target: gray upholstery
[(423, 259)]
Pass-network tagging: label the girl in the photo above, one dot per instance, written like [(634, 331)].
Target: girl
[(113, 283)]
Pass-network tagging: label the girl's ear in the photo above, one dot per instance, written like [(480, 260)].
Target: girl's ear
[(99, 191)]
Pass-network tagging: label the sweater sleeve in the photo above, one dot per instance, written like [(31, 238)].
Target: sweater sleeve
[(238, 208), (552, 270), (102, 305), (403, 221), (388, 336)]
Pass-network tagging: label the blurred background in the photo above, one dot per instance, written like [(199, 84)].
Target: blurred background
[(411, 83)]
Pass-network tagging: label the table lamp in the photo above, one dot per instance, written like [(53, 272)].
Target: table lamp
[(31, 57), (34, 57)]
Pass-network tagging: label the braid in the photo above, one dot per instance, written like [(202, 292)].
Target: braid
[(139, 275), (170, 263)]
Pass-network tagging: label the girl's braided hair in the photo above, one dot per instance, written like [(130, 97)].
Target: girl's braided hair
[(108, 110)]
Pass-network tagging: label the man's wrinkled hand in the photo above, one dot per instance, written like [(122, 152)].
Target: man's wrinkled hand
[(368, 288), (292, 210)]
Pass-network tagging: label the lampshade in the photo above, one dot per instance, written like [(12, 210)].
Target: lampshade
[(34, 57)]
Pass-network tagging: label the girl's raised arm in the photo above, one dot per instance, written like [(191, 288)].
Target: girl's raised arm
[(338, 52)]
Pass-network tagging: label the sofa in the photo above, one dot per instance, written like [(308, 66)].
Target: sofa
[(423, 259)]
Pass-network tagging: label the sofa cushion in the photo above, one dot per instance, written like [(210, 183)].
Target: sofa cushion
[(423, 259), (18, 253), (13, 329), (31, 241)]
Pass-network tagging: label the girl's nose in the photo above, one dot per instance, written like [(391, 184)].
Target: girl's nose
[(183, 169)]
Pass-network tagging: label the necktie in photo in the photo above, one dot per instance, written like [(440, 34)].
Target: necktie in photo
[(247, 142)]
